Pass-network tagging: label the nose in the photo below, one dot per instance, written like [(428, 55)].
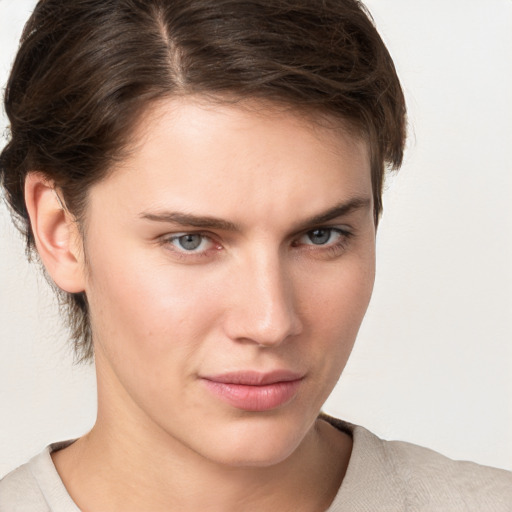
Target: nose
[(263, 311)]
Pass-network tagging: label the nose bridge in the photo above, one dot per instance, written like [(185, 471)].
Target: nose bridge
[(265, 310)]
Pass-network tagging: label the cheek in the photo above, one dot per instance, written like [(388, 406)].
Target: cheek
[(147, 308), (340, 296), (335, 304)]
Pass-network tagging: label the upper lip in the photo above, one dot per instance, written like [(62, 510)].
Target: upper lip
[(255, 378)]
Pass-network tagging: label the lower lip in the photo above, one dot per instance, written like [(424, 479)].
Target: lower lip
[(255, 398)]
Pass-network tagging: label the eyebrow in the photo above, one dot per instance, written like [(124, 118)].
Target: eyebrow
[(206, 222), (185, 219), (339, 210)]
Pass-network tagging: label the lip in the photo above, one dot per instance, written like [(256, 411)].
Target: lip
[(255, 391)]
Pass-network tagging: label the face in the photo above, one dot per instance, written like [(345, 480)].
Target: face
[(230, 261)]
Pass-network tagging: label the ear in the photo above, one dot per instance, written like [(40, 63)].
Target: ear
[(56, 234)]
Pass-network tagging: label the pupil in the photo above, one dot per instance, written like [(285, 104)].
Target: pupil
[(190, 242), (320, 236)]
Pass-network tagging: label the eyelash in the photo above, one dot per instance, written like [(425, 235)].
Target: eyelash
[(328, 250)]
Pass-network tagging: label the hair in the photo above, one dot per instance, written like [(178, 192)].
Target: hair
[(86, 70)]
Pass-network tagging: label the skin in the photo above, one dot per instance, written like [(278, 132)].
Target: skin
[(270, 294)]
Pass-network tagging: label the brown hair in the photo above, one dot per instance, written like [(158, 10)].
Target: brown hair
[(87, 69)]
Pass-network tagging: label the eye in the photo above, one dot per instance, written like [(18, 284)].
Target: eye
[(324, 242), (322, 236), (189, 242)]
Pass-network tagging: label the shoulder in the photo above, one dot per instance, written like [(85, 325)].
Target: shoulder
[(20, 492), (395, 475), (36, 486), (435, 480)]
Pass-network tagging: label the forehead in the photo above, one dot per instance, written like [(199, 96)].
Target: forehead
[(189, 111), (192, 154)]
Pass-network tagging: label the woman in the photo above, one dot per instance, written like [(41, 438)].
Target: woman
[(202, 181)]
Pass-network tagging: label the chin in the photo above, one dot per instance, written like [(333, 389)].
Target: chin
[(259, 441), (254, 455)]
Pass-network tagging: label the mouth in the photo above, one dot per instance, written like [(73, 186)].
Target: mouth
[(255, 391)]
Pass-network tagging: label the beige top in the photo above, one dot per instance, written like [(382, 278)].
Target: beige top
[(381, 476)]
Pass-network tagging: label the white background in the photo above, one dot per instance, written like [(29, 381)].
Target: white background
[(433, 362)]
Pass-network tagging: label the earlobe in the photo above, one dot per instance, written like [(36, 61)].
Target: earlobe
[(56, 233)]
